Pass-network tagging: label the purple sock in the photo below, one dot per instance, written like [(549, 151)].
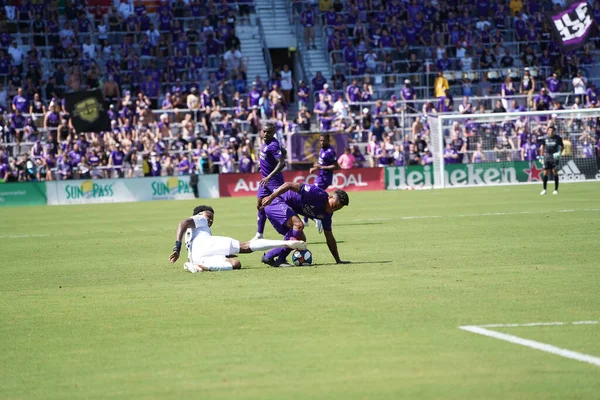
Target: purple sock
[(284, 252), (262, 219), (293, 234), (274, 253), (281, 251)]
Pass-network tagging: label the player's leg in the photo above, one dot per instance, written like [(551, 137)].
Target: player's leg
[(295, 229), (287, 223), (213, 263), (267, 244), (544, 181), (318, 223), (555, 173), (260, 220)]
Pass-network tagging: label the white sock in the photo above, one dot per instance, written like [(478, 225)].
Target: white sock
[(267, 244), (225, 267)]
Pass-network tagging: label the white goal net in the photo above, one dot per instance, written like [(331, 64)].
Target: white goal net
[(504, 148)]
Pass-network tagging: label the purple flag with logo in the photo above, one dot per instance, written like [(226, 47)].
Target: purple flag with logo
[(306, 147), (574, 25)]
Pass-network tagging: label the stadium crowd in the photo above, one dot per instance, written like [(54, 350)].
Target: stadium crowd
[(174, 81)]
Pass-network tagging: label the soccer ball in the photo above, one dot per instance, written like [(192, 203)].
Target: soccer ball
[(302, 257)]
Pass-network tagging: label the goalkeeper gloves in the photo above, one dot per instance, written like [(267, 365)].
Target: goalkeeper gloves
[(556, 155)]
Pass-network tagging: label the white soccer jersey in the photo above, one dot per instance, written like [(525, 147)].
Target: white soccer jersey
[(206, 249)]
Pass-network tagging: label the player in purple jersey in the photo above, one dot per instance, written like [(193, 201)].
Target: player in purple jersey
[(272, 162), (212, 253), (292, 199), (324, 168)]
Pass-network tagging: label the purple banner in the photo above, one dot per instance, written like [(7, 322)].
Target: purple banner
[(574, 25), (305, 148)]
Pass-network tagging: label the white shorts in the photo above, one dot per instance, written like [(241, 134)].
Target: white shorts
[(212, 249)]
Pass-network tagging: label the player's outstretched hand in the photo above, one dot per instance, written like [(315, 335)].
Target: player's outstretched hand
[(267, 200), (263, 182), (174, 257), (343, 262)]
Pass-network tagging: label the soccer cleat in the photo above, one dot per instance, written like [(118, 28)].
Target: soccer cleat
[(267, 260), (296, 245), (555, 192), (543, 192), (193, 268), (306, 222), (257, 236), (274, 263), (319, 225), (282, 264)]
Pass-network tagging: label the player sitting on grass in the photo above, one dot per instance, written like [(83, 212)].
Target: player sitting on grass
[(292, 199), (552, 147), (210, 253), (272, 162)]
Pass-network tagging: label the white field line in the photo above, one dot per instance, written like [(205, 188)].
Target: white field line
[(539, 324), (408, 217), (548, 348), (491, 214)]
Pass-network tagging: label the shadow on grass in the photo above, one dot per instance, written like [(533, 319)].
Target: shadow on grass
[(352, 263), (360, 223)]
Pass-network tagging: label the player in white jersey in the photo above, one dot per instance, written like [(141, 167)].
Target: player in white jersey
[(212, 253)]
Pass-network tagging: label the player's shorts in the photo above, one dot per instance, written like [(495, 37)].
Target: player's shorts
[(206, 247), (550, 162), (323, 183), (278, 213), (264, 191)]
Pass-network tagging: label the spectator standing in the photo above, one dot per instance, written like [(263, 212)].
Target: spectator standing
[(287, 83), (308, 18), (579, 85), (440, 85)]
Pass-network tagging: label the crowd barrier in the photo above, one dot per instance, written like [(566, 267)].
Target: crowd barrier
[(238, 185), (22, 194)]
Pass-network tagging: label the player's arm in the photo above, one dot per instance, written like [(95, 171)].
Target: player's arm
[(332, 245), (183, 226), (287, 186), (560, 145)]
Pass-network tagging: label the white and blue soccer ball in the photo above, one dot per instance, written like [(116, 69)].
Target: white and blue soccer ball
[(302, 257)]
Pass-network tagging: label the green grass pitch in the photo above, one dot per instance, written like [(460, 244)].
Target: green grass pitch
[(90, 308)]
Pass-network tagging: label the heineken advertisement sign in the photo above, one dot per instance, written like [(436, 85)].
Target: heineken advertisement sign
[(22, 194), (489, 173)]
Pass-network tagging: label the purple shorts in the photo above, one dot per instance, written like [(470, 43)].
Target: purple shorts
[(278, 212), (264, 191)]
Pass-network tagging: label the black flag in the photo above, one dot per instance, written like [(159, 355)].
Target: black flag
[(87, 111), (574, 25)]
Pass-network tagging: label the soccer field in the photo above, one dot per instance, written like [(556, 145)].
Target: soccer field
[(90, 307)]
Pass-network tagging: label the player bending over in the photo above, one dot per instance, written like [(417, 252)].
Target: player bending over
[(325, 166), (210, 253), (552, 147), (292, 199), (272, 162)]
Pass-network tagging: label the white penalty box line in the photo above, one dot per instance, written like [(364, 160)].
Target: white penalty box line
[(548, 348)]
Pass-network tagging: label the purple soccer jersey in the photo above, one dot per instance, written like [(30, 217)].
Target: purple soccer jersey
[(270, 153), (531, 151), (327, 157), (309, 201)]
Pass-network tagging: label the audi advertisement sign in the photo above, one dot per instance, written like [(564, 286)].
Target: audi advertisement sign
[(352, 180)]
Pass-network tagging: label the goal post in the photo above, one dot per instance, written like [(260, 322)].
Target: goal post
[(504, 148)]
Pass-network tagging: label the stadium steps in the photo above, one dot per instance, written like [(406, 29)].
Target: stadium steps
[(252, 50), (315, 60), (279, 32)]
